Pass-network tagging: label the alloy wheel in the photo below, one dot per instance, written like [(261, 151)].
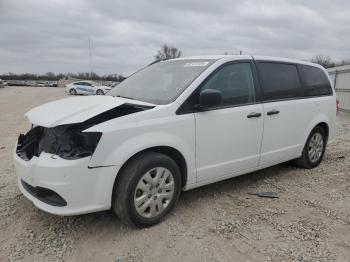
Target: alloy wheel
[(315, 148)]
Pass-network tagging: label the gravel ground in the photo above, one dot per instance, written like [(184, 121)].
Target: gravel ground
[(220, 222)]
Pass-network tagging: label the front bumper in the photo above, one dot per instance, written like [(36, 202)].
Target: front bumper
[(83, 189)]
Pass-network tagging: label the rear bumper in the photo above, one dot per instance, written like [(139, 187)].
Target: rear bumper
[(65, 187)]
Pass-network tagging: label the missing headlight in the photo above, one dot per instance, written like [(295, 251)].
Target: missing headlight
[(66, 141), (69, 142)]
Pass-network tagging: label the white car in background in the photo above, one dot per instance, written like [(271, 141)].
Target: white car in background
[(86, 88)]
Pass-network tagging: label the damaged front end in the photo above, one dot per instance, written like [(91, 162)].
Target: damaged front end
[(69, 141), (66, 141)]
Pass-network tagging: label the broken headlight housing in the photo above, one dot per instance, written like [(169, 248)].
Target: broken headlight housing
[(66, 141)]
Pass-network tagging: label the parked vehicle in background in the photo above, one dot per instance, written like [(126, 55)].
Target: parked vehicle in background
[(86, 88), (41, 84), (172, 126), (3, 83), (52, 84), (17, 83), (35, 83)]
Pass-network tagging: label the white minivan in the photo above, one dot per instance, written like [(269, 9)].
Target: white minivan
[(172, 126)]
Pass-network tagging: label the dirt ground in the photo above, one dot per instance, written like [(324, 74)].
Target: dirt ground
[(220, 222)]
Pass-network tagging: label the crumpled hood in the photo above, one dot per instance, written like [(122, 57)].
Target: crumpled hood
[(75, 109)]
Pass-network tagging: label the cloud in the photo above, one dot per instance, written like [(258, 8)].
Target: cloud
[(41, 36)]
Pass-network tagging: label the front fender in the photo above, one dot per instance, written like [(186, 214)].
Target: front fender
[(118, 146)]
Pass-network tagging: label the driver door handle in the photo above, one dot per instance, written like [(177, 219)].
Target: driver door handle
[(251, 115)]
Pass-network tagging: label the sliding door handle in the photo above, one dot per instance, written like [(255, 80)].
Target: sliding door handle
[(273, 112), (251, 115)]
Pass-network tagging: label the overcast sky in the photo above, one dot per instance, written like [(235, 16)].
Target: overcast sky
[(38, 36)]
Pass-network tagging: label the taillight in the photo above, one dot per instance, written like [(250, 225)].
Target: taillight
[(337, 106)]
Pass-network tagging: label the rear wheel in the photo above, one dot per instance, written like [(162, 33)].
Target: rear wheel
[(314, 149), (99, 92), (148, 187), (72, 91)]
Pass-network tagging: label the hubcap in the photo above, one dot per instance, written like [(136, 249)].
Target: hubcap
[(315, 147), (154, 192)]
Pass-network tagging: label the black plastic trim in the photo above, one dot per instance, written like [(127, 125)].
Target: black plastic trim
[(93, 167), (252, 115), (45, 195), (273, 112)]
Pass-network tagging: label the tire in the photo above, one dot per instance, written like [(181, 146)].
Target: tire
[(99, 92), (126, 191), (72, 91), (306, 160)]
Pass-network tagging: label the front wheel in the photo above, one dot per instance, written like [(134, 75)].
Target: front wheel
[(72, 91), (314, 149), (99, 92), (147, 189)]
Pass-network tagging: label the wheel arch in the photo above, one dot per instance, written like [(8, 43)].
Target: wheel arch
[(325, 127), (169, 151), (322, 120)]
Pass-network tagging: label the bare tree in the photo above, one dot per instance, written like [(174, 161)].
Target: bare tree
[(323, 60), (167, 52)]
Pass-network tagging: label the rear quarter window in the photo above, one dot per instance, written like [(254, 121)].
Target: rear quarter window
[(279, 80), (316, 81)]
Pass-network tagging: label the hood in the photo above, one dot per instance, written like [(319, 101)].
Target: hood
[(76, 109)]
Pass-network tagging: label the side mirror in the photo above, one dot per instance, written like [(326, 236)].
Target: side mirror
[(209, 98)]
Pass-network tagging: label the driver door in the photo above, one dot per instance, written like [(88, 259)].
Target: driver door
[(228, 137)]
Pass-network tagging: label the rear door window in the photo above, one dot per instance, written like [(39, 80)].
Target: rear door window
[(316, 81), (279, 80)]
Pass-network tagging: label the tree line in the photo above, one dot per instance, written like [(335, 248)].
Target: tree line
[(166, 52), (328, 62), (50, 76)]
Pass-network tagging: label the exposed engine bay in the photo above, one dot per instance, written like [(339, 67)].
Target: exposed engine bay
[(69, 141)]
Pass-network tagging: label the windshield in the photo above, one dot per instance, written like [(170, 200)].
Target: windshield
[(162, 82)]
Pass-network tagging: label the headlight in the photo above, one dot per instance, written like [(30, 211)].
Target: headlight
[(67, 141)]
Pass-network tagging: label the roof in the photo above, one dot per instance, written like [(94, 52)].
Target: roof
[(89, 81), (284, 59), (339, 68), (208, 57), (248, 57)]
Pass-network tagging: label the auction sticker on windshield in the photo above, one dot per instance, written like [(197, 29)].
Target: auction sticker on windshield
[(196, 64)]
